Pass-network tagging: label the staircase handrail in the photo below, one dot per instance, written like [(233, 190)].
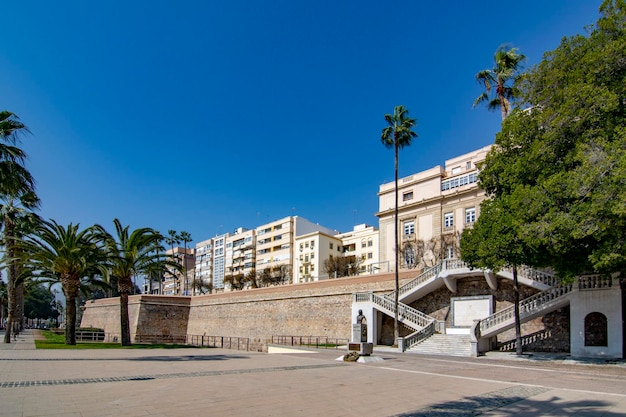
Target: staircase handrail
[(419, 336), (454, 264), (538, 275), (406, 314), (528, 305), (426, 275)]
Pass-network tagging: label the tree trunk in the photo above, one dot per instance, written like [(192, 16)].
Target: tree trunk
[(396, 328), (124, 286), (70, 286), (19, 305), (518, 327), (10, 310), (70, 319), (10, 255)]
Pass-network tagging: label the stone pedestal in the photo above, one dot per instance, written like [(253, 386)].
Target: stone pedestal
[(363, 348), (359, 332)]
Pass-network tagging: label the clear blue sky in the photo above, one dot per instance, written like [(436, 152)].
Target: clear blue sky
[(205, 116)]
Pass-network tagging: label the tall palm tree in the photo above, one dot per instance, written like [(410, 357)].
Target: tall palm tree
[(185, 237), (397, 135), (500, 81), (172, 239), (68, 255), (129, 254), (17, 200)]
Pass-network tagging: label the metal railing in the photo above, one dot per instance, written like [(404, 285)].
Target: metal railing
[(318, 342), (83, 336), (222, 342)]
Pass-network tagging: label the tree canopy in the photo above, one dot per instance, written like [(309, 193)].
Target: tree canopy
[(558, 166)]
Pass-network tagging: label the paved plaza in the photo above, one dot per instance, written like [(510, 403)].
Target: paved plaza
[(217, 382)]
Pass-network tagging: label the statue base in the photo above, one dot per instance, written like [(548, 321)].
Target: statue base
[(362, 348)]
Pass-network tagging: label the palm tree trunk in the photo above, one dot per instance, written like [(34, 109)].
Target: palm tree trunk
[(10, 254), (518, 328), (396, 329), (125, 285), (124, 320), (10, 310), (70, 319)]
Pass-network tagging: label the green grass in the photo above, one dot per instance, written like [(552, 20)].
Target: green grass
[(56, 341)]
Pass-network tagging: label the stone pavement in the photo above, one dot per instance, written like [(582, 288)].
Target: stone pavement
[(203, 382)]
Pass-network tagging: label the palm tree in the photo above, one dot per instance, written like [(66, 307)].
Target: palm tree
[(502, 78), (185, 237), (129, 254), (397, 135), (55, 253), (172, 239), (18, 199)]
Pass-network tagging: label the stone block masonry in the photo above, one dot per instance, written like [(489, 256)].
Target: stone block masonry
[(320, 308)]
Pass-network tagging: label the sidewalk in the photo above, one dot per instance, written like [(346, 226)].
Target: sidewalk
[(23, 341), (202, 381)]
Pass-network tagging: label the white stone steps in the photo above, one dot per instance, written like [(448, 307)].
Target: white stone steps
[(444, 344)]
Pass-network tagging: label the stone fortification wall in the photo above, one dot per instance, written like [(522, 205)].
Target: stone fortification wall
[(320, 308), (152, 317)]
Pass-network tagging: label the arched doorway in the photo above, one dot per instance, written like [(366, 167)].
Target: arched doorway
[(596, 330)]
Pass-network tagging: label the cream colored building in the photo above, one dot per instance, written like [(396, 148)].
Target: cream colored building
[(240, 259), (275, 245), (174, 282), (363, 243), (433, 209), (312, 250)]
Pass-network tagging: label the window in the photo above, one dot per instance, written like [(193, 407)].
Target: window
[(468, 165), (449, 252), (407, 196), (330, 245), (370, 255), (448, 220), (409, 227), (363, 244), (370, 243), (470, 215)]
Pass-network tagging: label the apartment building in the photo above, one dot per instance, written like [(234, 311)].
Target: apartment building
[(362, 242), (313, 249), (275, 245), (434, 207), (240, 259), (177, 283), (204, 262)]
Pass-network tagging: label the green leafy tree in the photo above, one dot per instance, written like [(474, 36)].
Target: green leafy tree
[(39, 302), (500, 82), (127, 255), (65, 254), (567, 152), (555, 176), (396, 136), (495, 241)]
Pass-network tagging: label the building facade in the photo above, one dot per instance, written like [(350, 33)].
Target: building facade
[(434, 206)]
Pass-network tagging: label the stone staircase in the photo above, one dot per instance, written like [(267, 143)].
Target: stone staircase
[(444, 344)]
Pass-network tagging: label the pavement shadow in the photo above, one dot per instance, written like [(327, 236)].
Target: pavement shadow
[(514, 406), (187, 358)]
